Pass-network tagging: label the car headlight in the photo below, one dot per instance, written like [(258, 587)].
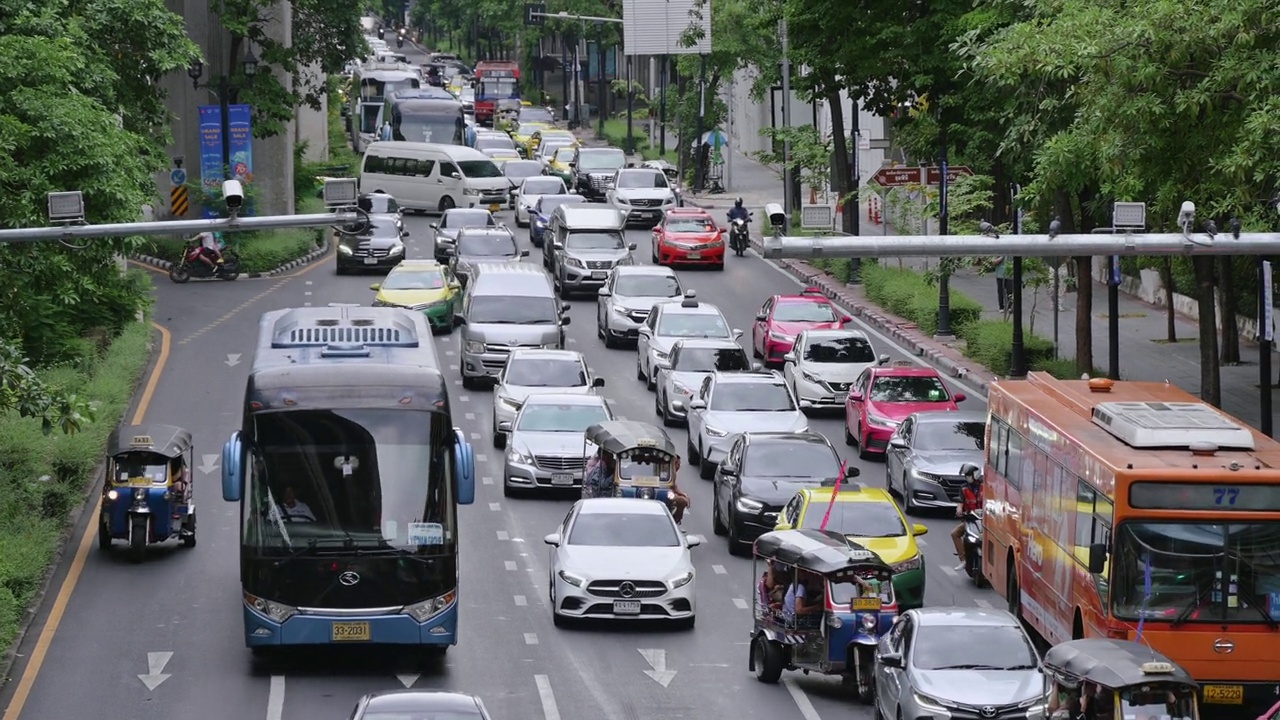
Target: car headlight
[(749, 506), (627, 260), (809, 377), (1036, 708), (438, 304), (928, 477), (619, 199), (619, 310), (574, 262), (914, 563), (670, 200), (779, 337), (474, 346), (929, 704), (510, 402), (279, 612), (396, 250), (470, 191), (427, 609), (681, 389), (519, 457), (540, 221), (344, 250), (681, 580), (714, 432), (660, 355), (881, 420), (572, 579)]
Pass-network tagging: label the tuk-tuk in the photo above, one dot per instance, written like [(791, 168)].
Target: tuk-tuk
[(1116, 680), (147, 496), (848, 605), (644, 459)]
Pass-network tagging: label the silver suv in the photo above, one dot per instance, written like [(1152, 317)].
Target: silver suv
[(586, 243)]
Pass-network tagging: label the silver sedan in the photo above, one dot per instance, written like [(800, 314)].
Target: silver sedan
[(546, 450), (925, 454)]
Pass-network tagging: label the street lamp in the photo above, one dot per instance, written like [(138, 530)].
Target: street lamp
[(249, 67)]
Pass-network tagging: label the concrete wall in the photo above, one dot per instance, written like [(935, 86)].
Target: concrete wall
[(272, 158), (312, 126)]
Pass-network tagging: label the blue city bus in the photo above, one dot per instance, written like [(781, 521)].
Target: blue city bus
[(348, 471)]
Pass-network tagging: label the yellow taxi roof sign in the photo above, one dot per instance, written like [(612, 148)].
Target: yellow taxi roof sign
[(142, 441), (1157, 668)]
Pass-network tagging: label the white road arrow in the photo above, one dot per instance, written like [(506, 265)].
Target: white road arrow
[(657, 660), (408, 680), (155, 669), (233, 359), (208, 463)]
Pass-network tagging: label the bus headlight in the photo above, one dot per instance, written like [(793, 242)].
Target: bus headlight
[(427, 609), (279, 612)]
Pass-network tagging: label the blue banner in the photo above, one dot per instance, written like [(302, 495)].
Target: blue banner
[(593, 63), (240, 132)]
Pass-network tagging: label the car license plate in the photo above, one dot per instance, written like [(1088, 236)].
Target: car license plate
[(561, 479), (1217, 694), (599, 274), (695, 256), (626, 607), (866, 604), (495, 207), (350, 632), (371, 261)]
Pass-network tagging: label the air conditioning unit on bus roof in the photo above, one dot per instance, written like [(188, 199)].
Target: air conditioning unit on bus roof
[(345, 325), (1171, 425)]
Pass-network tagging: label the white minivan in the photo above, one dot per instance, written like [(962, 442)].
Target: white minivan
[(431, 177)]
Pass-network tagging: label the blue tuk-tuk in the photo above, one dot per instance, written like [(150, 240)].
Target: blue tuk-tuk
[(848, 604), (147, 495)]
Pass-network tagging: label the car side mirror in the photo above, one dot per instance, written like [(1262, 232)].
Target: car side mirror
[(959, 397), (459, 321), (604, 293), (757, 366), (1097, 558), (597, 383), (697, 405), (737, 334), (375, 287), (897, 443), (851, 472), (553, 539), (524, 253), (404, 233), (631, 246), (565, 320), (855, 396), (565, 307), (789, 357), (846, 319), (918, 530), (692, 541), (572, 164), (891, 660), (504, 426), (455, 176), (435, 226), (761, 317), (728, 470)]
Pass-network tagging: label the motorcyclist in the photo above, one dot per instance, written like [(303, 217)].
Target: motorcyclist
[(970, 500), (739, 212), (210, 253)]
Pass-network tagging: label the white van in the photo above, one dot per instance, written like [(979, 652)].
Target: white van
[(430, 177)]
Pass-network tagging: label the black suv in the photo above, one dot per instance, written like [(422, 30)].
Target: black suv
[(593, 169)]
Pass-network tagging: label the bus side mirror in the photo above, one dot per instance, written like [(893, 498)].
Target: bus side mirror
[(1097, 558), (233, 468), (464, 475)]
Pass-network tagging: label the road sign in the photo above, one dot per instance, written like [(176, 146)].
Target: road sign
[(535, 14), (178, 201), (953, 172), (178, 176), (897, 176)]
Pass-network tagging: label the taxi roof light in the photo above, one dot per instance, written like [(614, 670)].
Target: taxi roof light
[(845, 485), (1157, 668), (690, 299)]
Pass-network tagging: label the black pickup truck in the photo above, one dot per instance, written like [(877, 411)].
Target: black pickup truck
[(593, 168)]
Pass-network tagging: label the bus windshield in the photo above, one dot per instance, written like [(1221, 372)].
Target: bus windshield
[(445, 129), (1197, 572), (374, 89), (363, 478), (499, 88)]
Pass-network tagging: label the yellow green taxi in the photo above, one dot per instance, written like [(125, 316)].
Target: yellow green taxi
[(523, 134), (551, 132), (423, 285), (871, 518), (559, 165)]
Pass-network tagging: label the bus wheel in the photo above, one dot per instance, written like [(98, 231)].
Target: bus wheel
[(1012, 593)]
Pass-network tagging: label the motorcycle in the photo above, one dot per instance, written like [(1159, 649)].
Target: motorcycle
[(400, 42), (739, 236), (191, 266), (973, 547)]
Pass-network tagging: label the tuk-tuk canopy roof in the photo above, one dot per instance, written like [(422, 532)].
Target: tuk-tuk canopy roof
[(615, 436), (1113, 663), (819, 551), (167, 440)]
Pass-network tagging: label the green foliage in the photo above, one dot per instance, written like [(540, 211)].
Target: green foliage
[(907, 294), (44, 476), (990, 344), (262, 251), (326, 35), (810, 151)]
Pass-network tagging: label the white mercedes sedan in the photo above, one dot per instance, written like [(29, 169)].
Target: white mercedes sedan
[(621, 558)]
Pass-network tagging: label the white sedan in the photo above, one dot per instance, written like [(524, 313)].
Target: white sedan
[(621, 558), (533, 188)]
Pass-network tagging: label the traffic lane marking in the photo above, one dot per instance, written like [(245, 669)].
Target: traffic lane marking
[(88, 534)]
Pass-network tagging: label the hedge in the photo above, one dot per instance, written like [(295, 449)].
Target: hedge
[(906, 293), (259, 251), (44, 477)]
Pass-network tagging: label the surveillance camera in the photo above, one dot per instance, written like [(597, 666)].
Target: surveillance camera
[(233, 194), (1188, 212)]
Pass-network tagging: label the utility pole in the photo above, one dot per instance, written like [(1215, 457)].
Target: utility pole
[(1264, 339), (1018, 353), (944, 277), (788, 201), (852, 216), (662, 107), (699, 169), (564, 74), (601, 90), (631, 96)]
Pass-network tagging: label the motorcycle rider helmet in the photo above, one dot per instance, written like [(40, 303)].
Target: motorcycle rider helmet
[(737, 203), (971, 471)]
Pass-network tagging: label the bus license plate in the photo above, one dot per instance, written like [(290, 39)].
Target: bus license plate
[(626, 607), (371, 261), (561, 479), (695, 256), (866, 604), (495, 207), (1224, 694), (350, 632), (599, 274)]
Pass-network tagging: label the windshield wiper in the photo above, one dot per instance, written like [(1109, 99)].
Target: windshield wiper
[(1254, 602), (1186, 611), (345, 544), (532, 322)]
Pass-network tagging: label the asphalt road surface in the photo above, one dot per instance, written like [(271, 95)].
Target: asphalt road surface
[(117, 629)]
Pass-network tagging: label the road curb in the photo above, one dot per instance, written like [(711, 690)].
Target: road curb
[(900, 331), (307, 259)]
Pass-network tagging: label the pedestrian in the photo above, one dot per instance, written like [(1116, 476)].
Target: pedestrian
[(1004, 293)]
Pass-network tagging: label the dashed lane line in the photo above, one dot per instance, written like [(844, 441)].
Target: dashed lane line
[(550, 711)]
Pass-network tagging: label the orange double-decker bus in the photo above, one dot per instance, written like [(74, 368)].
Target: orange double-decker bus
[(1127, 509)]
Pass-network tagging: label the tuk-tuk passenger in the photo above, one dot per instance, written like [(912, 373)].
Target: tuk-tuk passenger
[(1064, 703), (771, 589), (1097, 702), (799, 599), (598, 479)]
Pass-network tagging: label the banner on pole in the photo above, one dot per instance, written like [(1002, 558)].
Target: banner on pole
[(212, 169), (1268, 303)]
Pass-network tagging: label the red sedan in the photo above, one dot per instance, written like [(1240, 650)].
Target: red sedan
[(688, 236), (884, 395), (783, 317)]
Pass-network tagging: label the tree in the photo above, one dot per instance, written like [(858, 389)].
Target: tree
[(22, 391), (325, 34)]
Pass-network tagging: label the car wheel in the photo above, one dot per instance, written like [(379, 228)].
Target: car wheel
[(446, 203), (691, 453), (652, 382), (468, 383), (718, 266), (849, 439), (639, 369), (556, 618), (499, 439), (737, 547), (657, 405), (717, 522), (909, 505), (706, 470), (862, 444), (509, 490)]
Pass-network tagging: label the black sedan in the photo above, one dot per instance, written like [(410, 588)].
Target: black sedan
[(419, 705), (379, 247)]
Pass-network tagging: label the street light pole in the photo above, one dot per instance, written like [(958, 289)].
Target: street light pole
[(943, 330), (788, 201), (601, 89)]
